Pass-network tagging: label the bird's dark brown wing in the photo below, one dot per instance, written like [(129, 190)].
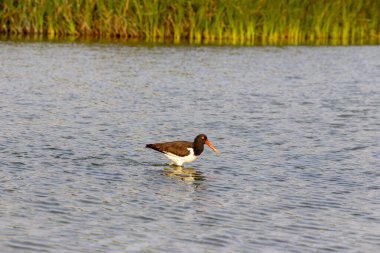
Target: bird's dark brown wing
[(179, 148)]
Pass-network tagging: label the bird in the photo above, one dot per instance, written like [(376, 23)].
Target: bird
[(180, 152)]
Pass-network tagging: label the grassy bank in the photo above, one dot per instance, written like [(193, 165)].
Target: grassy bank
[(197, 21)]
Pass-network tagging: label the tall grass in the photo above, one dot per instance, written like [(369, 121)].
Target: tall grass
[(197, 21)]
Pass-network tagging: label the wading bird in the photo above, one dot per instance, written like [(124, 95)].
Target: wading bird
[(180, 152)]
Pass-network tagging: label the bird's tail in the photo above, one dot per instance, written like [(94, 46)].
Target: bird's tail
[(155, 147), (152, 146)]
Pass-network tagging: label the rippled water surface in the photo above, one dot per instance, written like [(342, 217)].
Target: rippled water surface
[(298, 129)]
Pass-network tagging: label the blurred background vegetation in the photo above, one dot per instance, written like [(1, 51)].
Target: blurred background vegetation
[(197, 21)]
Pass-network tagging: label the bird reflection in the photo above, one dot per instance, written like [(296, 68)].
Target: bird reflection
[(189, 175)]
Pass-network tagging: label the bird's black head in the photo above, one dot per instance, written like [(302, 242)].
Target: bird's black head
[(199, 143), (201, 138)]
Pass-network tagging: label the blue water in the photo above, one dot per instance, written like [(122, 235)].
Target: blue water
[(298, 129)]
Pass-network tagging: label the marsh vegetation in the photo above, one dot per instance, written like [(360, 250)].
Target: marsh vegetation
[(197, 21)]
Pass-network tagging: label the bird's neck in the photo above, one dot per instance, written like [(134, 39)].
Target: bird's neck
[(198, 147)]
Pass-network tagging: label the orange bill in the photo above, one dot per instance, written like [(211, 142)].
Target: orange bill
[(212, 147)]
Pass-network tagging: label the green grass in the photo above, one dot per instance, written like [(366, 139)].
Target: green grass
[(197, 21)]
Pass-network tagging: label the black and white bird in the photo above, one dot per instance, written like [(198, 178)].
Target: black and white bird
[(180, 152)]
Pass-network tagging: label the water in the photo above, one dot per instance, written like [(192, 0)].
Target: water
[(298, 129)]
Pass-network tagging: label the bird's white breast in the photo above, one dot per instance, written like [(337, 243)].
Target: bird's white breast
[(180, 160)]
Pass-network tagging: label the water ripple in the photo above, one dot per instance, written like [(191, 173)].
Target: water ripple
[(297, 129)]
